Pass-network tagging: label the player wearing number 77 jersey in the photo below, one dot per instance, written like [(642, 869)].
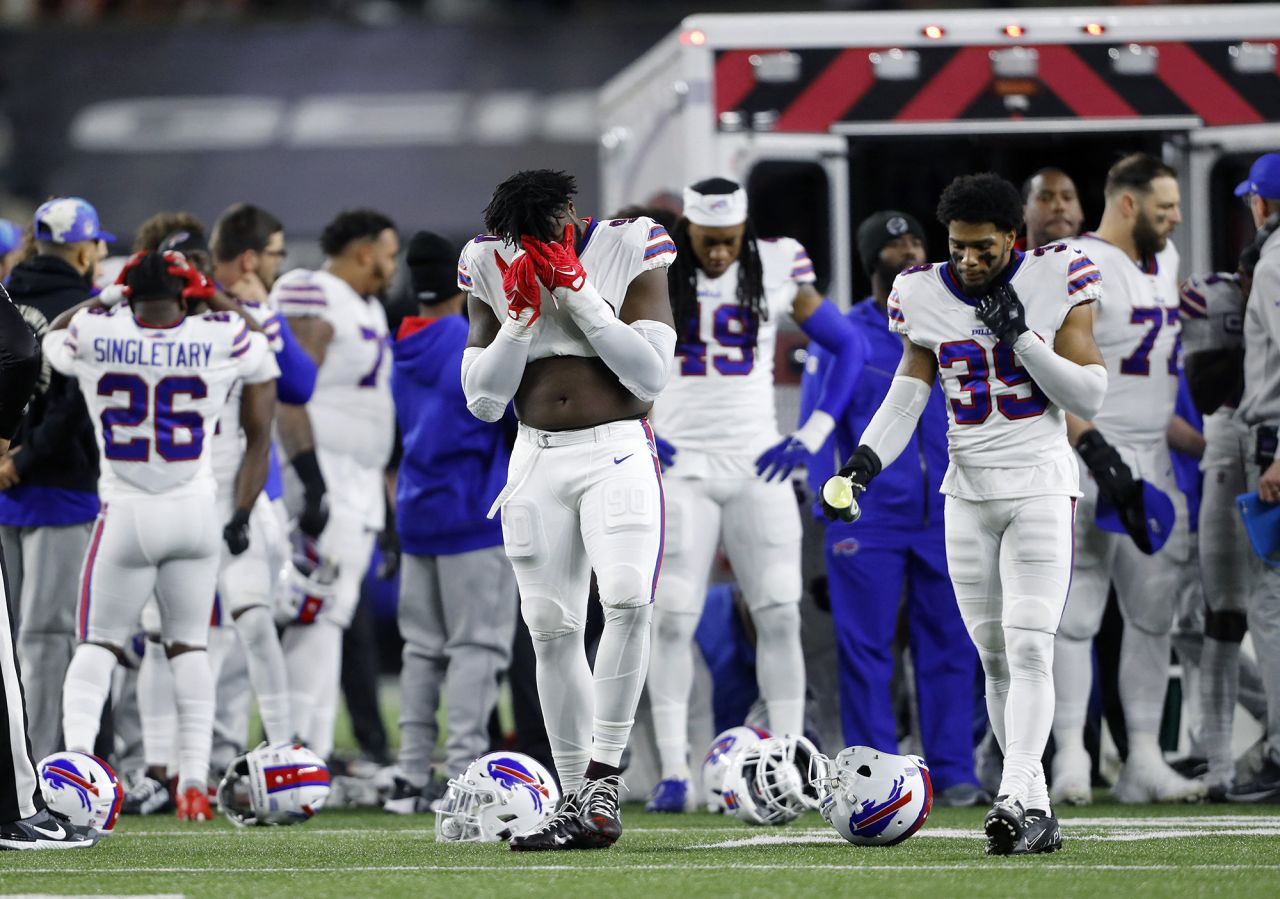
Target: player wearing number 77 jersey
[(1011, 335), (155, 381)]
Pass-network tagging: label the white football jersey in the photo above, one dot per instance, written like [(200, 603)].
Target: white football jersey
[(1136, 328), (720, 399), (155, 394), (1211, 310), (228, 439), (1000, 421), (351, 409), (613, 252)]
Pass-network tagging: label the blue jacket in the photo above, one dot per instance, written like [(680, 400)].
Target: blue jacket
[(905, 495), (454, 465)]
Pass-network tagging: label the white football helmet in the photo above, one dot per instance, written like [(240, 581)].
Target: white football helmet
[(720, 758), (501, 795), (274, 784), (307, 583), (768, 782), (83, 788), (873, 798)]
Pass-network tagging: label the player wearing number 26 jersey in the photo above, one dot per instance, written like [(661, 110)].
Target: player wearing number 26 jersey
[(155, 381), (1011, 337)]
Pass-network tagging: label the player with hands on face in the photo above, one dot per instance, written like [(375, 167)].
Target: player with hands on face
[(1011, 336)]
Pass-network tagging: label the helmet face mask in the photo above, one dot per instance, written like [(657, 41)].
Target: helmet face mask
[(873, 798), (500, 795), (720, 758), (769, 781), (274, 785)]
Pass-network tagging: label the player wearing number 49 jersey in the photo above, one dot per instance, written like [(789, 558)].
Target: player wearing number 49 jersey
[(1011, 336), (155, 381)]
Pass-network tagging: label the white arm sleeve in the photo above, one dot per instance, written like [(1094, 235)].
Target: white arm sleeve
[(1079, 389), (640, 354), (890, 429), (490, 376)]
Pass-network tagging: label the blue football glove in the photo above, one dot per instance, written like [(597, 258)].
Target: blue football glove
[(779, 460), (666, 452)]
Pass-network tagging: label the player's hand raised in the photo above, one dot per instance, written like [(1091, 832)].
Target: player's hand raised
[(1002, 312), (557, 263), (520, 285), (199, 288)]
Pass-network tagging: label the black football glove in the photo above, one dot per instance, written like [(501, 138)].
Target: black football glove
[(389, 552), (862, 466), (1117, 485), (236, 533), (1002, 312)]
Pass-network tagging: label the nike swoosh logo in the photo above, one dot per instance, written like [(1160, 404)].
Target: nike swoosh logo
[(617, 461), (56, 834)]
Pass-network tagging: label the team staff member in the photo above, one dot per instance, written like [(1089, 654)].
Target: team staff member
[(24, 821), (1051, 207), (1260, 408), (49, 479), (457, 608), (901, 542)]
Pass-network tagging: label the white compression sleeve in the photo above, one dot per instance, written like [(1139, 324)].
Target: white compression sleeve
[(640, 354), (890, 429), (1079, 389), (490, 376)]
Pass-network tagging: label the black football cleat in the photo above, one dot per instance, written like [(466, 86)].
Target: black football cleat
[(46, 830), (1040, 833), (1004, 826), (601, 817), (563, 830)]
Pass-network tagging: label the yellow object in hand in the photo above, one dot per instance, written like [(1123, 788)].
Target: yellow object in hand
[(837, 493)]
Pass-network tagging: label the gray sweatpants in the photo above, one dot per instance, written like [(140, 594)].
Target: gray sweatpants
[(44, 578), (458, 617), (1264, 629)]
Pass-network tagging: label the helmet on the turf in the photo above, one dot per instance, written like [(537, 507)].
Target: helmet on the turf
[(82, 788), (719, 759), (274, 784), (768, 782), (499, 796), (873, 798)]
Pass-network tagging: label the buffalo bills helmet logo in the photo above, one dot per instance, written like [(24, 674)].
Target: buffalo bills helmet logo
[(873, 817), (63, 775), (511, 774)]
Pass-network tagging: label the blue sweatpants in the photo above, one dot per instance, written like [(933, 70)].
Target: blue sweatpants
[(868, 569)]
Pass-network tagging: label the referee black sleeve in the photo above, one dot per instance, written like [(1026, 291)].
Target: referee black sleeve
[(19, 365)]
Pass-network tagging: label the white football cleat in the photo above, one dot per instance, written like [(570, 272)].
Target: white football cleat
[(1072, 780), (1150, 779)]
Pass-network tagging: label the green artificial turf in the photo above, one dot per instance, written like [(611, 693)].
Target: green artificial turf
[(1110, 851)]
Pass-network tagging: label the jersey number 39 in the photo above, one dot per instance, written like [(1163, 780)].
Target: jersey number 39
[(975, 382)]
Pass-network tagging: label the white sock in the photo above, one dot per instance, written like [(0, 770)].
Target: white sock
[(670, 678), (1219, 687), (313, 657), (157, 707), (84, 691), (193, 687), (1072, 683), (267, 671), (1144, 746), (1144, 678), (622, 659), (568, 702), (1028, 709), (780, 666)]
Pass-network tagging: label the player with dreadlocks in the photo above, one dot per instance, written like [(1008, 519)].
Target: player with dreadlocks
[(570, 319), (727, 482)]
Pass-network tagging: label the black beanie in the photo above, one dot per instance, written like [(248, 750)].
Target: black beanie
[(881, 228), (433, 267)]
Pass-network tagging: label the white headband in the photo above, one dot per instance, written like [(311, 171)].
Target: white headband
[(715, 210)]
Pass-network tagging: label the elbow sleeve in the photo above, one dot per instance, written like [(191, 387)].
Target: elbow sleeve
[(1078, 389), (644, 366), (491, 376), (890, 429)]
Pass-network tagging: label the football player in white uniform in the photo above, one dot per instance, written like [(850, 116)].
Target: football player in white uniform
[(729, 289), (339, 442), (1011, 335), (570, 318), (156, 380), (1121, 447)]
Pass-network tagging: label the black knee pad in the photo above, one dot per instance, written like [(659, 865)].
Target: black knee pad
[(1226, 627)]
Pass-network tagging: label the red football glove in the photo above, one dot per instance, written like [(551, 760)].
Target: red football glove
[(199, 288), (520, 284), (133, 262), (557, 264)]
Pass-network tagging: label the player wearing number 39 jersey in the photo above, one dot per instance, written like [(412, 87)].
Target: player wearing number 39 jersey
[(155, 381), (1011, 336)]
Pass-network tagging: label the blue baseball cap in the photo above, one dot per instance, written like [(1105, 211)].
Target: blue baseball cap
[(1264, 178), (10, 236), (68, 220), (1149, 526)]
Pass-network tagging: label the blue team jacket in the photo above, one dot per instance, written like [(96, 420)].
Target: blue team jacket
[(905, 495), (453, 465)]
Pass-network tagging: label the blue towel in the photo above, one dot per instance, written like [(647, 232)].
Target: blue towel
[(1262, 522)]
